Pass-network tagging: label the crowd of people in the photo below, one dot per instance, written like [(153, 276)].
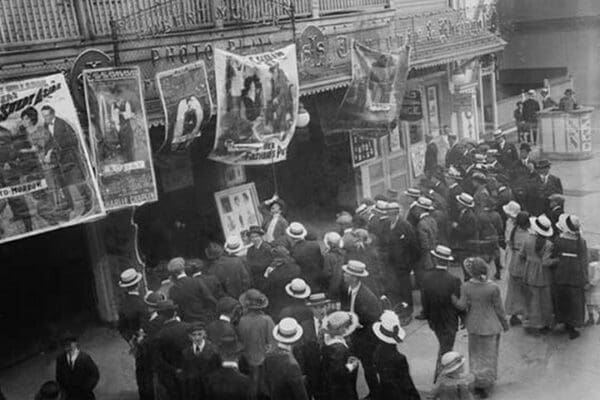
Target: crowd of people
[(292, 317)]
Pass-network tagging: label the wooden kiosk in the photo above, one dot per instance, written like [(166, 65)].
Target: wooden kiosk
[(566, 135)]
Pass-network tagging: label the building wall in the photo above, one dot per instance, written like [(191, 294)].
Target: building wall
[(539, 10), (417, 6)]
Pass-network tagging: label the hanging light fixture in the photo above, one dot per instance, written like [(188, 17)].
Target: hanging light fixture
[(303, 118)]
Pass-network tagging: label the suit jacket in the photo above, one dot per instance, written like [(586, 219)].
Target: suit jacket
[(219, 328), (437, 289), (212, 283), (228, 384), (197, 368), (366, 305), (274, 287), (307, 254), (427, 233), (530, 110), (431, 157), (232, 274), (131, 314), (255, 331), (77, 383), (507, 155), (454, 191), (542, 191), (395, 381), (171, 340), (258, 260), (403, 246), (283, 376), (194, 299), (466, 232), (333, 259), (338, 382)]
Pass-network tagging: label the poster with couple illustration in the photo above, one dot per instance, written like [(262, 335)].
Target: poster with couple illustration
[(119, 136), (187, 103), (46, 177), (238, 211), (257, 100)]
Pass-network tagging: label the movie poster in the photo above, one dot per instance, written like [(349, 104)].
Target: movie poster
[(257, 100), (374, 97), (238, 211), (46, 178), (185, 96), (119, 137)]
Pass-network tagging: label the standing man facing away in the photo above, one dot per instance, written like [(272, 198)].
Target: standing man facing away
[(76, 372)]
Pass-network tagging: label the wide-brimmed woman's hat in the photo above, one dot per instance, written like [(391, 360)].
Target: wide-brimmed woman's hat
[(466, 200), (388, 328), (298, 289), (317, 299), (233, 245), (253, 299), (296, 231), (130, 277), (512, 208), (568, 223), (442, 252), (287, 331), (451, 361), (256, 230), (340, 323), (355, 268), (542, 226)]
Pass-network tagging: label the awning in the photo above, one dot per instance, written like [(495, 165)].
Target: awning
[(530, 76)]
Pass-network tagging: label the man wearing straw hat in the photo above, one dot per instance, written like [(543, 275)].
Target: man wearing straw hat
[(283, 376), (230, 269), (464, 229), (426, 229), (307, 254)]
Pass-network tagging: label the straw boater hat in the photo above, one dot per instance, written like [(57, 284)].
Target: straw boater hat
[(380, 206), (388, 328), (317, 299), (451, 361), (255, 229), (153, 298), (392, 207), (340, 323), (287, 331), (355, 268), (568, 223), (298, 289), (512, 208), (442, 252), (466, 200), (343, 217), (333, 238), (542, 226), (498, 133), (453, 173), (415, 193), (296, 231), (130, 277), (424, 203), (253, 299), (233, 245)]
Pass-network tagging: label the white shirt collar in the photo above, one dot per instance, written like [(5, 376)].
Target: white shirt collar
[(200, 346), (72, 357), (153, 316), (333, 340), (442, 267), (284, 346), (353, 291), (197, 274), (224, 318), (181, 275), (230, 364), (423, 215), (134, 293), (455, 184)]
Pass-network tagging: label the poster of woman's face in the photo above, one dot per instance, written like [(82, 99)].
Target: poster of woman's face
[(238, 210)]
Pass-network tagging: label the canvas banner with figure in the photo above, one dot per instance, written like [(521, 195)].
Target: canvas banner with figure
[(185, 96), (374, 97), (119, 136), (257, 100), (46, 178)]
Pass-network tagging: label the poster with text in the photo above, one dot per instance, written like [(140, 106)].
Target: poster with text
[(257, 100), (46, 178), (375, 94), (186, 100), (119, 137)]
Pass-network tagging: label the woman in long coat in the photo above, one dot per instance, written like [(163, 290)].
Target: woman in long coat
[(517, 290), (570, 275), (537, 255), (485, 320)]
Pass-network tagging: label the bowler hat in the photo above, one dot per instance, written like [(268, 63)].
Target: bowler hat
[(542, 164), (50, 390), (230, 345), (153, 298), (526, 147), (226, 305), (196, 326), (166, 305), (255, 229)]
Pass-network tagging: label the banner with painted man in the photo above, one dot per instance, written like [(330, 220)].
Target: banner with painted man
[(186, 99), (257, 100), (46, 177), (119, 136), (374, 97)]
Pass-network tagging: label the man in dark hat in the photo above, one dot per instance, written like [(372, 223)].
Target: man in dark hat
[(556, 207), (431, 156), (229, 310), (491, 232), (531, 107), (193, 299), (258, 256), (76, 372), (567, 102), (227, 382), (442, 316), (50, 390), (171, 340), (426, 230), (199, 360), (481, 195), (544, 185), (464, 229), (453, 179), (197, 269), (507, 152)]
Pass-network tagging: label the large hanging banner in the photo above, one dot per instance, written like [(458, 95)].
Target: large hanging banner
[(257, 99), (46, 178), (119, 136), (185, 96), (374, 97)]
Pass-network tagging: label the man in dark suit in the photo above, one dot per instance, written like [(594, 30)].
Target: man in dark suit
[(193, 299), (144, 367), (464, 229), (258, 257), (227, 382), (231, 270), (76, 372), (426, 229), (307, 254), (453, 179), (283, 376), (199, 360), (228, 310), (438, 287), (197, 269), (431, 156), (64, 152), (531, 107), (507, 152), (544, 185), (361, 301), (171, 340)]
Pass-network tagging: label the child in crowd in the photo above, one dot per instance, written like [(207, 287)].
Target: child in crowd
[(453, 383)]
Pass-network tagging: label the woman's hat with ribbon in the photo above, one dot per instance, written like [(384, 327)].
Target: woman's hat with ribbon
[(388, 328)]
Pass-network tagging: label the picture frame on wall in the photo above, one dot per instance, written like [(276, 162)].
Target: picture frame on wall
[(238, 210), (433, 110), (232, 175)]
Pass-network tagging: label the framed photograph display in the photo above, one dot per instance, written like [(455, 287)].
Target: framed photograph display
[(238, 210)]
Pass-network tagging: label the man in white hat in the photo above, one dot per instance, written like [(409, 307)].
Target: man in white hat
[(231, 270), (307, 254), (283, 375), (427, 233), (464, 229), (439, 286), (530, 109), (132, 310), (507, 152), (362, 302)]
